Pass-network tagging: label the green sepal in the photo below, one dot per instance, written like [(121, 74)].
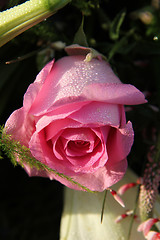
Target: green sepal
[(80, 37)]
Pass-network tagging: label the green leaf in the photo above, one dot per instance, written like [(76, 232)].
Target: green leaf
[(103, 205), (119, 44), (116, 25)]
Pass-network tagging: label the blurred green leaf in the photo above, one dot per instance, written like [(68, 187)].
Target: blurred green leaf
[(120, 44), (114, 30)]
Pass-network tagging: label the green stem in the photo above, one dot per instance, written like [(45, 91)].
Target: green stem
[(103, 205), (22, 17), (157, 157), (134, 213)]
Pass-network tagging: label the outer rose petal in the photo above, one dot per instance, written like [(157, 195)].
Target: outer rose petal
[(65, 83), (20, 126), (73, 80), (103, 178), (116, 93), (34, 88), (119, 143)]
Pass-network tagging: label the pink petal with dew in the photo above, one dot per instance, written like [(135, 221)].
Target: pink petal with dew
[(35, 87), (152, 235), (119, 142), (146, 226), (116, 93), (67, 80), (20, 126), (98, 113), (43, 74), (58, 114)]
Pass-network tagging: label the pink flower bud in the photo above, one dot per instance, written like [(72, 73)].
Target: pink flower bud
[(125, 187), (116, 197)]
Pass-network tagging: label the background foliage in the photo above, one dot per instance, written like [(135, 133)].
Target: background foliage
[(128, 33)]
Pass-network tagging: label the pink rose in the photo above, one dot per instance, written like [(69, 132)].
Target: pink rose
[(73, 121)]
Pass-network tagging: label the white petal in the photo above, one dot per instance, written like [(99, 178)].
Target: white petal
[(81, 218)]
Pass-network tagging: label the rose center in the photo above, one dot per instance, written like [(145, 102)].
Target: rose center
[(81, 143)]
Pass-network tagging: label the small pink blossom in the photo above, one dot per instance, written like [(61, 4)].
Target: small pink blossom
[(146, 226), (152, 235)]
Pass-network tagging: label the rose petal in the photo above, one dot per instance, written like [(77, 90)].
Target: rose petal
[(98, 113), (119, 142), (66, 81), (43, 152), (35, 87), (20, 126), (116, 93), (58, 114), (82, 134), (103, 178), (52, 129), (85, 135)]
